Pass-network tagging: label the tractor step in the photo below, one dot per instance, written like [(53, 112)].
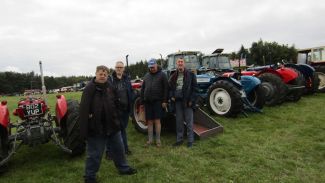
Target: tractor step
[(204, 125)]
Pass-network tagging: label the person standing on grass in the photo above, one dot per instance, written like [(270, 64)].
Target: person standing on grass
[(154, 95), (121, 82), (99, 125), (183, 89)]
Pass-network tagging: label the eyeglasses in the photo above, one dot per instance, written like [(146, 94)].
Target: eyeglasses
[(119, 67)]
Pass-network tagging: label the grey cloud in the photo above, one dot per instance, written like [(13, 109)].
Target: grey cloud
[(72, 37)]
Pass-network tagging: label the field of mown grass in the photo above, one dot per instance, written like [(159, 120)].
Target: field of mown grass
[(284, 144)]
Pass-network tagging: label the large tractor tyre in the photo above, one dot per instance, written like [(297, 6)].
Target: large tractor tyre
[(4, 146), (257, 97), (321, 87), (312, 84), (71, 128), (138, 118), (274, 88), (224, 99), (296, 94)]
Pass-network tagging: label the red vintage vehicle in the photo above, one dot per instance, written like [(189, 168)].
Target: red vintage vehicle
[(279, 82), (37, 126)]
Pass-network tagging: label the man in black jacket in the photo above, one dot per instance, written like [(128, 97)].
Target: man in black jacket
[(183, 89), (121, 82), (154, 95), (99, 125)]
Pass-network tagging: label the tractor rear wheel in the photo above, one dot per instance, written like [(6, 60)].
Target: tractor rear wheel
[(71, 128), (312, 84), (257, 97), (224, 99), (138, 119), (296, 94), (274, 88), (4, 146)]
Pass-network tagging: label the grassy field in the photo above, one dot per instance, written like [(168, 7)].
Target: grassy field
[(284, 144)]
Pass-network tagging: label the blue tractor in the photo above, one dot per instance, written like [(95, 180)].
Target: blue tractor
[(218, 64), (225, 96)]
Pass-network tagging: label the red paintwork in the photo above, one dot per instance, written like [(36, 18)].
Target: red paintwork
[(287, 74), (249, 73), (136, 85), (28, 101), (228, 74), (4, 115), (61, 107)]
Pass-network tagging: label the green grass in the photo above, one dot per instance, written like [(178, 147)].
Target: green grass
[(284, 144)]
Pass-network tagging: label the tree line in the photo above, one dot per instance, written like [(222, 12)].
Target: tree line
[(13, 82), (264, 53)]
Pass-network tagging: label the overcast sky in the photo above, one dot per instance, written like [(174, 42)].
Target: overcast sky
[(72, 37)]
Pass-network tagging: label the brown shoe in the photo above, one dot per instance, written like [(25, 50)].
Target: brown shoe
[(158, 143), (147, 144)]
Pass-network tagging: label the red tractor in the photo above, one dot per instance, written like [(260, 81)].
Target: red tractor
[(279, 82), (37, 126)]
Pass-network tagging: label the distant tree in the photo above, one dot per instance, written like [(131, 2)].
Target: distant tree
[(262, 53)]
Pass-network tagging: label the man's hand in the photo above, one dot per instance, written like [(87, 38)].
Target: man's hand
[(189, 104), (173, 99), (164, 105)]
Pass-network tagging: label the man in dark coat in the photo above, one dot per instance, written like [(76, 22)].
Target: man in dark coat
[(154, 95), (122, 85), (99, 125), (183, 89)]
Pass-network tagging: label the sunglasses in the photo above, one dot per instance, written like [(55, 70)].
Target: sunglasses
[(119, 67)]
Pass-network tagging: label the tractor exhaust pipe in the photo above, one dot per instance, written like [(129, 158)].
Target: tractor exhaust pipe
[(127, 71), (43, 83)]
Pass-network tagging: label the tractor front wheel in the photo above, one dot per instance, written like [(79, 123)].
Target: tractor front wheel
[(257, 97), (224, 99), (275, 89), (71, 129)]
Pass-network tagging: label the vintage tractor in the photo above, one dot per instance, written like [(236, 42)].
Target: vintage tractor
[(37, 126), (315, 57), (221, 94), (311, 78), (279, 82), (224, 96), (218, 64)]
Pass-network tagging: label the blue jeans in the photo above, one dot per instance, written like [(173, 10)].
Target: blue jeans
[(124, 119), (184, 114), (95, 149)]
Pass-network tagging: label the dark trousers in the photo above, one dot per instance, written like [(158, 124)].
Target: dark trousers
[(184, 114), (124, 119), (95, 149)]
